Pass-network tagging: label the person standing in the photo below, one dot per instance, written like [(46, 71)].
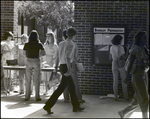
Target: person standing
[(21, 61), (51, 49), (116, 50), (66, 56), (140, 54), (74, 76), (33, 51), (7, 53)]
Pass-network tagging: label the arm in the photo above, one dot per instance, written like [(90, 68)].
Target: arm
[(132, 58)]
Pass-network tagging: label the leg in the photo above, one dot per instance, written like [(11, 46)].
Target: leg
[(28, 76), (124, 86), (115, 83), (141, 91), (130, 108), (21, 81), (74, 99), (66, 94), (37, 81), (76, 83), (52, 100)]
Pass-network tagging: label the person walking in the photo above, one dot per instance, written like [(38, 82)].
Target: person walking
[(138, 55), (116, 51), (51, 49), (74, 76), (66, 56), (33, 51)]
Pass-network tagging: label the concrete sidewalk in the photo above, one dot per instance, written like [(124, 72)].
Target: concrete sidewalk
[(14, 106)]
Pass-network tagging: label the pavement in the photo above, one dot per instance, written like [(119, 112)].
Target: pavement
[(14, 106)]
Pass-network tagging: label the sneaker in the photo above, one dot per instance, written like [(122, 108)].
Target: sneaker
[(81, 101)]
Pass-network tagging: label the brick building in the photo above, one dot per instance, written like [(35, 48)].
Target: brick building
[(134, 15)]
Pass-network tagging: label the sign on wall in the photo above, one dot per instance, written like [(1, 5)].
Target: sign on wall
[(102, 37)]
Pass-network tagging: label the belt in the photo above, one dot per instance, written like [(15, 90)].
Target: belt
[(33, 57)]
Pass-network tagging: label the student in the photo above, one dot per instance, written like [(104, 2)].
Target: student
[(7, 53), (21, 61), (74, 76), (140, 53), (66, 56), (33, 51), (51, 49), (116, 50)]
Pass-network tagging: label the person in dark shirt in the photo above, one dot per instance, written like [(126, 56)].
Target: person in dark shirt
[(33, 51), (138, 55)]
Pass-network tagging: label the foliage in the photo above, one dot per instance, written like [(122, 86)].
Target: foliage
[(53, 14)]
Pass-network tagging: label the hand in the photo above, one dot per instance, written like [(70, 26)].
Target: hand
[(67, 73)]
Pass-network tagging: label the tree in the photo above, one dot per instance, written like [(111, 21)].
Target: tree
[(53, 14)]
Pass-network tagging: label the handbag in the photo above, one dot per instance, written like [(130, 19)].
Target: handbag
[(133, 68), (53, 80), (79, 67), (12, 62)]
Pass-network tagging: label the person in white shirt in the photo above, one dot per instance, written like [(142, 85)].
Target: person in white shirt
[(51, 49), (116, 50), (21, 61), (66, 55), (74, 76)]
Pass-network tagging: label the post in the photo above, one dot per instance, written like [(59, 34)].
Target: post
[(22, 24)]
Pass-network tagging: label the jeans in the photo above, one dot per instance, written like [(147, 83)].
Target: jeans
[(76, 83), (65, 81), (116, 71), (32, 70)]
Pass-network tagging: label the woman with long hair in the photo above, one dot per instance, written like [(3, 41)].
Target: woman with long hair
[(51, 49), (7, 53), (138, 55), (33, 51), (116, 50)]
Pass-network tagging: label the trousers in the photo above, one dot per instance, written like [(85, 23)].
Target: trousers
[(65, 81), (141, 98), (32, 71), (76, 83), (116, 71)]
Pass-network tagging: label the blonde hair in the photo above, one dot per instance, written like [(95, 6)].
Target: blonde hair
[(53, 38), (24, 36)]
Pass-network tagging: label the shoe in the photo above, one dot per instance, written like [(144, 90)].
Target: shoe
[(66, 101), (48, 110), (81, 101), (26, 99), (38, 99), (78, 109), (121, 114), (21, 92)]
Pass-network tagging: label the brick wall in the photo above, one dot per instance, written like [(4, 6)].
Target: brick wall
[(131, 14), (9, 17)]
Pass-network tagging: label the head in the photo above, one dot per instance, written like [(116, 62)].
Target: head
[(65, 34), (24, 38), (140, 38), (50, 38), (116, 40), (9, 36), (34, 36), (71, 33)]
